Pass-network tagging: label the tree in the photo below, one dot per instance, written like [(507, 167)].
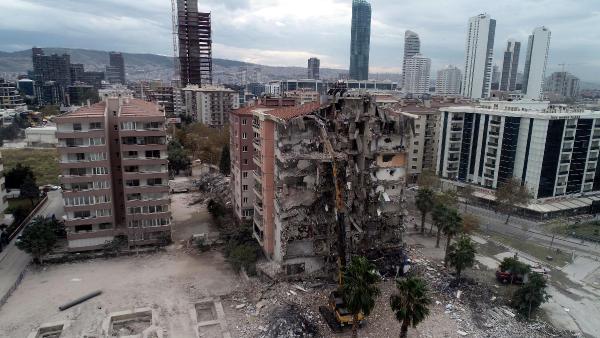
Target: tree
[(38, 238), (16, 176), (468, 193), (178, 158), (29, 189), (225, 163), (515, 267), (449, 198), (461, 254), (438, 216), (411, 303), (531, 295), (424, 201), (359, 289), (470, 223), (452, 227), (510, 195), (428, 179)]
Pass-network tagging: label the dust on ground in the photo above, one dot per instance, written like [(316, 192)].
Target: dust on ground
[(170, 282)]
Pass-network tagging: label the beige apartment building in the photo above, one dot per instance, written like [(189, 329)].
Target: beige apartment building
[(209, 104), (114, 175)]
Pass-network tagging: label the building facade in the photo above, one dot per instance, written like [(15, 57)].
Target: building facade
[(195, 44), (113, 162), (536, 60), (295, 186), (561, 85), (314, 66), (3, 199), (117, 63), (412, 46), (360, 40), (417, 77), (510, 64), (210, 105), (448, 81), (552, 149), (479, 51), (10, 97)]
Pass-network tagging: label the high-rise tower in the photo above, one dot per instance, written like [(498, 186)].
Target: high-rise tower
[(535, 63), (412, 46), (479, 50), (195, 44), (313, 68), (510, 65), (360, 40)]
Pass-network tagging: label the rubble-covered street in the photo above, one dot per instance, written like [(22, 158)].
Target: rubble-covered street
[(476, 308)]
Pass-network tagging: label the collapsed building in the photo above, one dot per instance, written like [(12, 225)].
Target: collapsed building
[(307, 156)]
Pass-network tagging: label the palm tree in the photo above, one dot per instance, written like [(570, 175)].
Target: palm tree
[(411, 303), (439, 217), (359, 289), (424, 201), (452, 226), (461, 254)]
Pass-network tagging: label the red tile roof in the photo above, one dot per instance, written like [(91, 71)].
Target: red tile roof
[(287, 113), (137, 107), (97, 109), (246, 110)]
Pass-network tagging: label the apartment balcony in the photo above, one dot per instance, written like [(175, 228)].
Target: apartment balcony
[(257, 160), (164, 174), (81, 134), (142, 203), (83, 178), (258, 192), (258, 209), (493, 144), (88, 220), (146, 188), (596, 135), (490, 164), (453, 159), (141, 133), (495, 122), (452, 168), (595, 147), (453, 149), (567, 150), (563, 172), (489, 175), (64, 149), (96, 206), (455, 139), (491, 154), (142, 147)]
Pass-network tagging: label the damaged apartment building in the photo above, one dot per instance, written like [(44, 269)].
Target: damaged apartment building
[(302, 208)]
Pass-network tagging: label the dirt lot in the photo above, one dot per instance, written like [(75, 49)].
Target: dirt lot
[(170, 282)]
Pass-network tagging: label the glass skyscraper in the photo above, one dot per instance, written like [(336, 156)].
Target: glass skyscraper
[(360, 40)]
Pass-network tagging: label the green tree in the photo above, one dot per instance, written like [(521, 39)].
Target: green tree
[(531, 295), (438, 216), (30, 189), (448, 198), (515, 267), (15, 177), (178, 158), (359, 289), (424, 201), (38, 238), (428, 179), (225, 162), (470, 223), (510, 195), (411, 303), (452, 226), (461, 254)]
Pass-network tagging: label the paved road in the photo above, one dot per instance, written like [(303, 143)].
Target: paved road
[(14, 261), (522, 229)]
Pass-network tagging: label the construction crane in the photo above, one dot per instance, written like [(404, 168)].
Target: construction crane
[(336, 312)]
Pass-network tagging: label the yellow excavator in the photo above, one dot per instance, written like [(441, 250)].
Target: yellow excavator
[(336, 313)]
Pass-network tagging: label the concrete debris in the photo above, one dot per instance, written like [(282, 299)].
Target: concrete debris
[(214, 186)]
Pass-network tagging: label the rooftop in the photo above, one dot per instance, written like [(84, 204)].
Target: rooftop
[(129, 107), (287, 113)]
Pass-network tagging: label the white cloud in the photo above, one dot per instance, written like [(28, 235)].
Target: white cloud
[(286, 32)]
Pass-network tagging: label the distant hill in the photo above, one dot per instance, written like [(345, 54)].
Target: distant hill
[(145, 66)]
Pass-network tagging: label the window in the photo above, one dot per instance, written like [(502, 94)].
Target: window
[(152, 153), (244, 122), (245, 200), (95, 125), (244, 149), (416, 143), (116, 127), (245, 174), (415, 151), (154, 181), (245, 187), (77, 126), (245, 161), (244, 136), (85, 227), (105, 226), (81, 214), (132, 183)]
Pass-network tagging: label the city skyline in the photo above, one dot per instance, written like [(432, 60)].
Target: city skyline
[(250, 36)]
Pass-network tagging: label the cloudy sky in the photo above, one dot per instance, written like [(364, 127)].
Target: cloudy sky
[(287, 32)]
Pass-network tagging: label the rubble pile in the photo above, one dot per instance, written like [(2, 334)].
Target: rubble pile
[(288, 321), (214, 186), (478, 309)]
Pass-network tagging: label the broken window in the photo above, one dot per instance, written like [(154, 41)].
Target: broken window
[(387, 158)]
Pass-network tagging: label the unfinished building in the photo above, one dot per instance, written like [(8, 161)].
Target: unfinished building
[(309, 157)]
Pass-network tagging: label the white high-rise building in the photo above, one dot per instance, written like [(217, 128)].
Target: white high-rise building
[(412, 46), (417, 74), (536, 60), (448, 81), (479, 50)]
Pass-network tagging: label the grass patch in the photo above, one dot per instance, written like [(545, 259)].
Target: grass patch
[(587, 230), (43, 162), (539, 252), (14, 203)]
